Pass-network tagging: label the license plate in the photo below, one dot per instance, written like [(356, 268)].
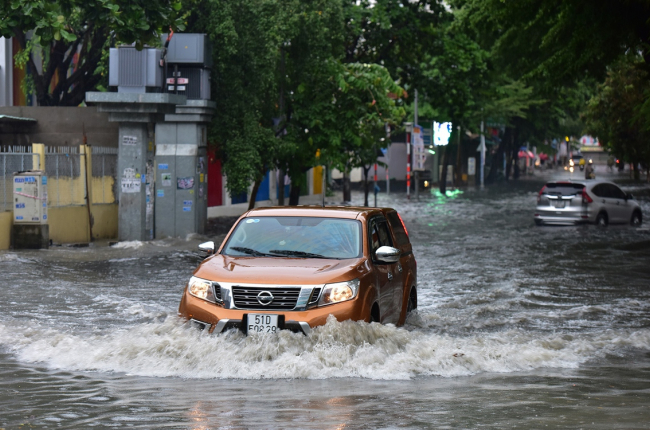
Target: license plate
[(262, 323), (559, 204)]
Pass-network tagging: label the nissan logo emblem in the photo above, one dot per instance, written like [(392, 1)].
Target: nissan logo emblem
[(265, 298)]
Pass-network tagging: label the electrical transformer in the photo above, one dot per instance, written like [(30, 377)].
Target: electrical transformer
[(30, 197)]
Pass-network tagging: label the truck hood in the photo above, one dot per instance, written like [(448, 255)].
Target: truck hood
[(282, 271)]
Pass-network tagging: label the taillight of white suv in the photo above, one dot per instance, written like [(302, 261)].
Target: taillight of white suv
[(586, 199), (539, 196)]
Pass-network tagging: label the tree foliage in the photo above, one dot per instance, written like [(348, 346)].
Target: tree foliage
[(611, 113), (52, 33), (559, 41), (246, 38), (280, 70)]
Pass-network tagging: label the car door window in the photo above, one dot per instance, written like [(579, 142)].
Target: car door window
[(616, 192), (599, 190), (379, 234), (401, 238)]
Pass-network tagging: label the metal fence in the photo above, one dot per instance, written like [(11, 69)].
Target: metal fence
[(12, 159), (66, 184), (63, 169), (104, 170)]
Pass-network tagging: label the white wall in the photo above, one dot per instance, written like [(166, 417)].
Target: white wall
[(6, 73), (396, 161)]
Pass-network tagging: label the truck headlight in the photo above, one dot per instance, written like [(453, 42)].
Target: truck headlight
[(202, 289), (339, 292)]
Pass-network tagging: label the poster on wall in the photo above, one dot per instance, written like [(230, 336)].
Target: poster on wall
[(166, 179), (129, 140), (130, 183), (185, 183)]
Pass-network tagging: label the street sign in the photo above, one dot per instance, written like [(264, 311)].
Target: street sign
[(441, 133), (427, 136), (419, 154), (471, 166)]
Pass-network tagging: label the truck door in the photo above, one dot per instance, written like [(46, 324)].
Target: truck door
[(388, 276)]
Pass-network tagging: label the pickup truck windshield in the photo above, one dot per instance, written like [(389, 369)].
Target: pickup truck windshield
[(296, 237)]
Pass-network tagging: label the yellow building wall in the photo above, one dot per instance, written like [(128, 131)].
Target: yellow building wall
[(6, 222), (68, 224), (102, 189), (65, 191), (67, 210)]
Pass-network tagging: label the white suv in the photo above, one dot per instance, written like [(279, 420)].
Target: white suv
[(573, 202)]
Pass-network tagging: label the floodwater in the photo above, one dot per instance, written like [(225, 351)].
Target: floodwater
[(517, 326)]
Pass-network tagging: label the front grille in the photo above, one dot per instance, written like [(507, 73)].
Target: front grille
[(314, 296), (283, 298), (217, 292)]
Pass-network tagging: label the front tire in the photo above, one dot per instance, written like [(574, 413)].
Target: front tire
[(374, 314), (637, 219), (602, 220), (412, 304)]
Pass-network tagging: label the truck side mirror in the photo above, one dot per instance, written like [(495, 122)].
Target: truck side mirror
[(387, 254), (207, 248)]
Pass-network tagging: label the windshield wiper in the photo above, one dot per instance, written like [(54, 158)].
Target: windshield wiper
[(296, 253), (248, 251)]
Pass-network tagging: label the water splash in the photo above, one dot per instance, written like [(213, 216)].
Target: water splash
[(335, 350)]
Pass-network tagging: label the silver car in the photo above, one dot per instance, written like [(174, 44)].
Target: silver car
[(590, 201)]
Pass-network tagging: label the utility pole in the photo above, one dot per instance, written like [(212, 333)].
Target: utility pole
[(409, 132), (415, 124), (482, 153), (375, 185), (387, 160)]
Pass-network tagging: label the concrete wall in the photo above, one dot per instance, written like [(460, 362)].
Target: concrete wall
[(105, 221), (59, 126), (69, 224), (315, 196)]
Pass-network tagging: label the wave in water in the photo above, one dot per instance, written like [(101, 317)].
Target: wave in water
[(338, 349)]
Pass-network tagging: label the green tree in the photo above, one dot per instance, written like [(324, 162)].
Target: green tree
[(560, 40), (247, 37), (396, 34), (548, 75), (51, 33), (612, 112), (349, 125)]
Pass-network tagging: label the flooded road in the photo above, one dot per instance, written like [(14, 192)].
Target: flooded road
[(517, 326)]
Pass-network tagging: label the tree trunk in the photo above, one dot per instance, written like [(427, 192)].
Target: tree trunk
[(443, 175), (281, 187), (256, 187), (294, 195), (494, 165), (459, 164), (515, 157), (366, 185), (508, 142), (347, 195)]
